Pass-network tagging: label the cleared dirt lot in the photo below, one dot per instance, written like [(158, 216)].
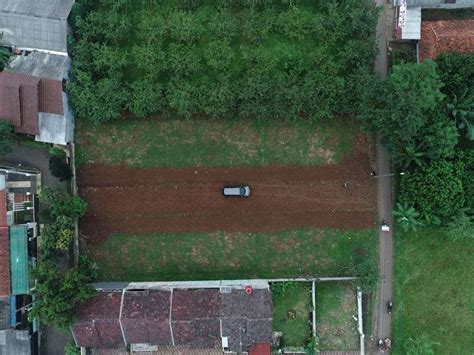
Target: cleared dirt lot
[(130, 200)]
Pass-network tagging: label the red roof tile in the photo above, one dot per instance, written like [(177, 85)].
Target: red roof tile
[(145, 317), (198, 333), (3, 209), (260, 349), (192, 317), (4, 262), (23, 96), (98, 321), (51, 99), (191, 304), (446, 36)]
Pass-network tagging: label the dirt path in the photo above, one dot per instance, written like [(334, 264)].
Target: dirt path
[(129, 200)]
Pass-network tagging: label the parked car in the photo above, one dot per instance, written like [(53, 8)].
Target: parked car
[(242, 191)]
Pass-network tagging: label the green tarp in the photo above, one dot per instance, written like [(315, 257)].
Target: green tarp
[(19, 259)]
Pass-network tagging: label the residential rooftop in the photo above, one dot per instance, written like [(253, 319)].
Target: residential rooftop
[(35, 24), (211, 317), (446, 36)]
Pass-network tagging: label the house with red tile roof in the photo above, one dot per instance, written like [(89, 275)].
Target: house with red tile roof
[(446, 36), (438, 34), (220, 316), (36, 106)]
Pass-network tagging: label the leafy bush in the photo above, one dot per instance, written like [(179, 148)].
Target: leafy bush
[(57, 236), (456, 71), (461, 227), (436, 189), (366, 272), (7, 137), (71, 349), (4, 55), (57, 152), (59, 168), (468, 177), (57, 293), (61, 203), (402, 56), (281, 288)]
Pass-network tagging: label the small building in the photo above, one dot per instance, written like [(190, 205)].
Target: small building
[(421, 24), (35, 24), (36, 106), (441, 4), (210, 316)]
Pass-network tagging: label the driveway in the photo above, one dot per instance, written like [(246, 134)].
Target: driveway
[(31, 157)]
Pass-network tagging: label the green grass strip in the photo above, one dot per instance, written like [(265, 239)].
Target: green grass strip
[(434, 292), (199, 256)]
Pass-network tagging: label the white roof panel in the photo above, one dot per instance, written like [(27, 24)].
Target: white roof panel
[(412, 29)]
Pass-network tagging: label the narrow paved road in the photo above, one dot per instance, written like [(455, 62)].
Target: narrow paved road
[(384, 199)]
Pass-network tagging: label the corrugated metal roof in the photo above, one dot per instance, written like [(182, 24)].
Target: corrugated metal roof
[(412, 29), (440, 4), (42, 8), (29, 32), (41, 64), (35, 24), (19, 259), (56, 129), (16, 342), (4, 312)]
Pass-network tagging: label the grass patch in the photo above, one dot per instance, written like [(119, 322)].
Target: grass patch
[(434, 292), (335, 305), (291, 314), (200, 256), (205, 142)]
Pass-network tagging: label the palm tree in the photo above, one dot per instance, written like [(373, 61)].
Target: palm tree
[(407, 217)]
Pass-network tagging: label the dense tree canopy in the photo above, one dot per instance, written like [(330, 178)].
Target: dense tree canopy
[(403, 106), (258, 59), (435, 190), (57, 293), (425, 116)]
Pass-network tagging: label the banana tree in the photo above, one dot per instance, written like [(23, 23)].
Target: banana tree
[(462, 110), (407, 217), (410, 154)]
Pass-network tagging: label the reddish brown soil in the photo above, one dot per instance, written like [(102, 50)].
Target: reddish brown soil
[(129, 200)]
